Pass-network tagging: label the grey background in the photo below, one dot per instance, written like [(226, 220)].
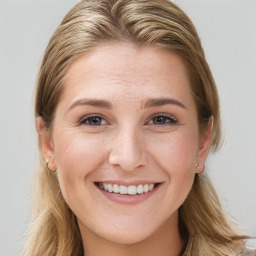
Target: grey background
[(228, 32)]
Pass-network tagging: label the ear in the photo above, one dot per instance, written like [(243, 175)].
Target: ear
[(46, 144), (204, 146)]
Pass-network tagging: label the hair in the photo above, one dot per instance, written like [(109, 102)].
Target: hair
[(90, 24)]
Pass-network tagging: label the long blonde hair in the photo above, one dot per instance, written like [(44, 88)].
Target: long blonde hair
[(53, 229)]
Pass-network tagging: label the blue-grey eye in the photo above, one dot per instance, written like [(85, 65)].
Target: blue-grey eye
[(93, 120), (161, 120)]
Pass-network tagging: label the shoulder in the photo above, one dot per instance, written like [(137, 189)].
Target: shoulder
[(246, 251)]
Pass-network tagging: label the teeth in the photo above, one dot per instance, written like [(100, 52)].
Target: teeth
[(151, 187), (140, 189), (116, 189), (110, 188), (127, 190), (123, 190), (132, 190), (146, 188)]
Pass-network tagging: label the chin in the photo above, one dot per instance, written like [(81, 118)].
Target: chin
[(128, 238), (125, 232)]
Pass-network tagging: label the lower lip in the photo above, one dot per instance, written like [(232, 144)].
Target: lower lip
[(129, 199)]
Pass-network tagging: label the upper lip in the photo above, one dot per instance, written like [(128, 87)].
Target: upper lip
[(129, 183)]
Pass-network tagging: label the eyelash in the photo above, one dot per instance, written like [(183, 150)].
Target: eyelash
[(167, 119), (86, 120)]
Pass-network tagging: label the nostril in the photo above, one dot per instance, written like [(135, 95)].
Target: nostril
[(127, 162), (127, 149)]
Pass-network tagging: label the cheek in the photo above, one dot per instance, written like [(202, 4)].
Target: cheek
[(73, 150), (76, 158), (177, 152), (177, 158)]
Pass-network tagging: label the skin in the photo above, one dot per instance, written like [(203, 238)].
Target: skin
[(128, 145)]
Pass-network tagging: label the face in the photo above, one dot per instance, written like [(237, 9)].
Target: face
[(125, 141)]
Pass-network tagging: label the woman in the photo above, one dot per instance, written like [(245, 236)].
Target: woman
[(127, 111)]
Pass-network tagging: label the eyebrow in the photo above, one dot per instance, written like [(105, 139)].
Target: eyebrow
[(92, 102), (158, 102), (154, 102)]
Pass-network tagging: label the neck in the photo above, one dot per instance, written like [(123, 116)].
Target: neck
[(166, 241)]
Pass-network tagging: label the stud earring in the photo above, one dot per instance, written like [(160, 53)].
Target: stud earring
[(50, 164), (198, 166)]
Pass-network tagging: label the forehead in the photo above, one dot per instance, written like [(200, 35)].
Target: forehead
[(127, 69)]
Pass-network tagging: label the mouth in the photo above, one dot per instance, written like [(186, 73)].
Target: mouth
[(131, 190)]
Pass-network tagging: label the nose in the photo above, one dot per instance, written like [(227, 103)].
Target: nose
[(127, 149)]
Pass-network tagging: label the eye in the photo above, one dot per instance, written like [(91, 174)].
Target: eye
[(163, 120), (93, 120)]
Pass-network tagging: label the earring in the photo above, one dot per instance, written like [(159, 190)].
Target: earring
[(50, 164), (197, 166)]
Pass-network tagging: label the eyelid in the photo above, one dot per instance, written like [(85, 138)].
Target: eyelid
[(166, 115), (173, 121), (84, 118)]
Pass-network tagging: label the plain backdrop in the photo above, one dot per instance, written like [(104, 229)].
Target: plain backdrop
[(227, 29)]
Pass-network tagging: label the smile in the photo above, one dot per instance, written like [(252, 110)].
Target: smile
[(127, 190)]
